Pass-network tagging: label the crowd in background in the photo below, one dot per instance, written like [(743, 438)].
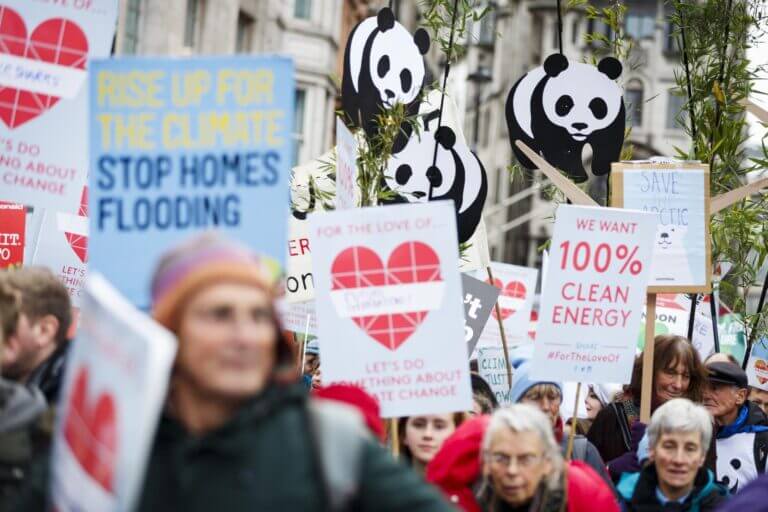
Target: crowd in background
[(244, 429)]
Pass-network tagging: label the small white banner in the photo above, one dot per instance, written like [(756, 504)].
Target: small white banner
[(388, 300), (40, 77)]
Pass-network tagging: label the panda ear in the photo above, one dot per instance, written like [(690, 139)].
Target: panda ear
[(610, 67), (421, 38), (385, 19), (555, 64), (445, 137)]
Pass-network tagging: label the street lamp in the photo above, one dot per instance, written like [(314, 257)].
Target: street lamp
[(479, 77)]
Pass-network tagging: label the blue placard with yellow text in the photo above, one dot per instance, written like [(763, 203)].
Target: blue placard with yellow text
[(180, 146)]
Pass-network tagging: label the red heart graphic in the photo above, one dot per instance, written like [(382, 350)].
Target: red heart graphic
[(90, 431), (361, 267), (56, 41), (79, 243), (513, 290), (761, 371)]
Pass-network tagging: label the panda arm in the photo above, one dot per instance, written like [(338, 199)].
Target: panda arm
[(606, 144)]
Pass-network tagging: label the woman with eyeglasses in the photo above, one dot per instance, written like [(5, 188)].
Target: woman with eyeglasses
[(547, 397), (523, 468), (677, 373)]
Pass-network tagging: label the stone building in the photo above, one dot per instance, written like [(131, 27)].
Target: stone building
[(313, 32)]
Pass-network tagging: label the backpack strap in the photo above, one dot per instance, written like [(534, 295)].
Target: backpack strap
[(339, 436), (623, 421)]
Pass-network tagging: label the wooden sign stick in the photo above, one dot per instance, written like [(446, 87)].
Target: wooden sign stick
[(502, 332), (723, 201), (566, 186), (756, 110), (646, 395), (572, 434), (395, 437)]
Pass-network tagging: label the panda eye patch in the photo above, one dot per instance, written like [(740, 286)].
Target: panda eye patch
[(564, 105), (435, 177), (406, 80), (403, 174), (599, 108), (383, 67)]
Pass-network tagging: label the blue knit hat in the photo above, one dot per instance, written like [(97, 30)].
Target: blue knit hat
[(521, 381)]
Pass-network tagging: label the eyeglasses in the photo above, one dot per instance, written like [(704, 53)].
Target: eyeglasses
[(524, 461)]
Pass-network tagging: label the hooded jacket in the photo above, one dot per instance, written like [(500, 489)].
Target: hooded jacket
[(638, 490), (21, 407), (742, 448)]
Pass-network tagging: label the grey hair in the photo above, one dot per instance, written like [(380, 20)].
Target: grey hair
[(680, 415), (527, 418)]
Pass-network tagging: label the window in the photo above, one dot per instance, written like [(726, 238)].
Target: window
[(575, 32), (555, 34), (300, 98), (131, 33), (245, 23), (497, 193), (640, 25), (671, 45), (487, 35), (676, 111), (193, 21), (633, 99), (302, 9)]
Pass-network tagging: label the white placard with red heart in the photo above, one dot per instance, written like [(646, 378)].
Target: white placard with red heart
[(389, 302), (114, 390), (757, 367), (45, 48), (518, 289)]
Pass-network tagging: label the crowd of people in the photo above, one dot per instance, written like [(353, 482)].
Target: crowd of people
[(245, 427)]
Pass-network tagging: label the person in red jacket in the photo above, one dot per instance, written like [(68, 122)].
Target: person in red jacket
[(511, 461)]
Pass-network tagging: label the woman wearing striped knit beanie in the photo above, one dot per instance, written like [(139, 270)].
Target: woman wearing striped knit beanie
[(238, 434)]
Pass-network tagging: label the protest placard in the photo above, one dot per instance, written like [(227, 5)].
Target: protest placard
[(184, 145), (517, 287), (13, 219), (114, 390), (757, 366), (389, 305), (347, 189), (298, 317), (45, 49), (479, 301), (678, 193), (492, 366), (596, 283)]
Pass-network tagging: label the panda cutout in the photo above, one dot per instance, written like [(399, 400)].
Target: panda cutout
[(736, 461), (383, 66), (457, 174), (560, 107)]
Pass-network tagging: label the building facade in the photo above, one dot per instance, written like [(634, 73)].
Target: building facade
[(312, 32)]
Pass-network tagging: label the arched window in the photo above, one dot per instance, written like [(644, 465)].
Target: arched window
[(633, 101)]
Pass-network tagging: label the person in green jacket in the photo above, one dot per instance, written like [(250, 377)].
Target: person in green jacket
[(676, 478), (239, 431)]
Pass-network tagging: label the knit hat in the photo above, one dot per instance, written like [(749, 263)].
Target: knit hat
[(358, 398), (204, 259), (312, 347), (521, 381)]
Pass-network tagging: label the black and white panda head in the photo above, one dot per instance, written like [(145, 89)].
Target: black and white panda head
[(411, 175), (580, 98), (383, 66)]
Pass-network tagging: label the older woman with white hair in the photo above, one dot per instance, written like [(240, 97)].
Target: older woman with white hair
[(523, 468), (675, 478)]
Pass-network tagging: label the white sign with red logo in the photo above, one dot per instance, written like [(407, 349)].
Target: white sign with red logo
[(757, 367), (347, 190), (44, 52), (599, 267), (518, 289), (114, 390), (62, 246), (389, 300)]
